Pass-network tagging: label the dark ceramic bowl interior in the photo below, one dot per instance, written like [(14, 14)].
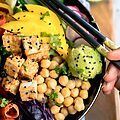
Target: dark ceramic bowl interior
[(96, 83)]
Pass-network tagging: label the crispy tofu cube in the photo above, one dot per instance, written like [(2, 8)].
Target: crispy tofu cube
[(12, 43), (43, 53), (12, 65), (28, 90), (29, 69), (10, 84), (31, 45)]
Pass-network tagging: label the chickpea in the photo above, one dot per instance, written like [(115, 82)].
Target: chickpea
[(65, 92), (49, 91), (39, 79), (85, 85), (55, 109), (68, 101), (53, 74), (79, 106), (78, 83), (58, 59), (58, 88), (64, 111), (53, 64), (40, 97), (42, 88), (71, 84), (78, 99), (52, 83), (47, 79), (72, 110), (63, 80), (44, 73), (60, 98), (45, 63), (83, 94), (75, 92), (59, 116)]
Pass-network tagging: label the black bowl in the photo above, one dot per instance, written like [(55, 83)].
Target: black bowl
[(96, 83)]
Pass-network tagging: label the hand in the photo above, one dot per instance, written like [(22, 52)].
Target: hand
[(112, 75)]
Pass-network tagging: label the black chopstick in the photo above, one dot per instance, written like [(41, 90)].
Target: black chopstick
[(85, 24), (102, 50)]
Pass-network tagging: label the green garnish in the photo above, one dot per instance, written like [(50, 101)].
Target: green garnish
[(25, 67), (61, 70), (52, 52), (70, 43), (44, 34), (3, 102), (53, 95), (44, 15), (55, 42)]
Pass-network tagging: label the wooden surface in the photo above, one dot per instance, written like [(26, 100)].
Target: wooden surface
[(105, 106)]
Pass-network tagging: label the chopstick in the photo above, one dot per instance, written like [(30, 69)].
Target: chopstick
[(55, 4), (85, 24)]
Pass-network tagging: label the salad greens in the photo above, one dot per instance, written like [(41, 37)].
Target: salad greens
[(3, 101)]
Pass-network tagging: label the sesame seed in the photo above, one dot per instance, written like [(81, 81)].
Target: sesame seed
[(8, 46), (94, 63), (18, 18), (21, 27), (32, 11), (60, 24), (49, 23), (76, 65), (89, 62), (92, 68), (84, 60), (13, 70), (24, 86), (24, 16), (30, 47), (8, 41), (26, 93), (18, 29)]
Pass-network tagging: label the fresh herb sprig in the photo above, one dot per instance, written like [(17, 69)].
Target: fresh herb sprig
[(3, 101)]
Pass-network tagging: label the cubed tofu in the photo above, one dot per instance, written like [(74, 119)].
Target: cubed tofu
[(12, 43), (10, 84), (43, 53), (31, 45), (29, 69), (12, 65), (28, 90)]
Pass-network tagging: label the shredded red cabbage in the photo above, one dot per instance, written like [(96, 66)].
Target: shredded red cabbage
[(33, 110)]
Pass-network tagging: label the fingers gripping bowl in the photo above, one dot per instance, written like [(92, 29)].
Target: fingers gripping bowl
[(39, 71)]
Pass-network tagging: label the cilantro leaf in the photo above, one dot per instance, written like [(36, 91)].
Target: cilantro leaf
[(55, 42), (25, 67), (44, 34), (52, 52), (3, 102), (70, 43), (61, 70), (53, 95), (44, 15)]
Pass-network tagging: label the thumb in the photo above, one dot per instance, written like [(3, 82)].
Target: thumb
[(114, 55)]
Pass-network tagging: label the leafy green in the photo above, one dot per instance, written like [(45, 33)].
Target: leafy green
[(53, 95), (55, 42), (70, 43), (61, 70), (44, 34), (52, 52), (3, 102), (25, 67), (44, 15)]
